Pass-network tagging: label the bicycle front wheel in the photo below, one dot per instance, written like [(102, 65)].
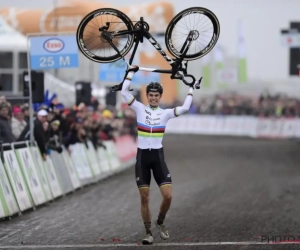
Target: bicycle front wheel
[(91, 42), (205, 26)]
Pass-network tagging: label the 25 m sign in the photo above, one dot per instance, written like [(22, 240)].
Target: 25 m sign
[(53, 52)]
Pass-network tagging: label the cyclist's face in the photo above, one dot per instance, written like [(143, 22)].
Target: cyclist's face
[(153, 98)]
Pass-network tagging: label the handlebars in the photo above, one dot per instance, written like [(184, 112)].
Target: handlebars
[(177, 75), (182, 78)]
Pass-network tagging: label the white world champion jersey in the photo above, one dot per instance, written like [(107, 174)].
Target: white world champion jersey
[(151, 122)]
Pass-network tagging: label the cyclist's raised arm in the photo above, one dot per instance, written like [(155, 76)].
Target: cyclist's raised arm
[(179, 110), (127, 96)]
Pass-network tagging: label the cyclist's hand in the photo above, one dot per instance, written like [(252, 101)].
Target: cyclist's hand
[(133, 68)]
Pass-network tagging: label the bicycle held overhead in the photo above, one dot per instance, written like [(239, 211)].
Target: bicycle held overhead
[(107, 35), (151, 119)]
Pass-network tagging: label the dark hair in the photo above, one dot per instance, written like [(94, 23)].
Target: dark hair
[(154, 87), (4, 105)]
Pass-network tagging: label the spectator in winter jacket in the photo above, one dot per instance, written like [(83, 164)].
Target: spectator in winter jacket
[(39, 131), (17, 122), (6, 135)]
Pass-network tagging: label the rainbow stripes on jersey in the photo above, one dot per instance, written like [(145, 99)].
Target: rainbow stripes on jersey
[(145, 131), (131, 101)]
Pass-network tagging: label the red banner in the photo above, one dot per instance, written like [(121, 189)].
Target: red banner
[(126, 148)]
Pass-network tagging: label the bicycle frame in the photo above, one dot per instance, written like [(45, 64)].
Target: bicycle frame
[(140, 33)]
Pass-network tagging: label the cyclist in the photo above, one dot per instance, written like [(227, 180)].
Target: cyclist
[(151, 123)]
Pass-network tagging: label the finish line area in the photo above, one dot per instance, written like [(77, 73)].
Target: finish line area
[(228, 193)]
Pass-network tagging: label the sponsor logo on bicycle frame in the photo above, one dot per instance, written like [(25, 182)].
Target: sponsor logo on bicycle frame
[(54, 45), (160, 50)]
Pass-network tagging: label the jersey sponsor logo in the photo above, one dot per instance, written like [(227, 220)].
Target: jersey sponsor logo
[(154, 119), (151, 124), (147, 112), (168, 175), (150, 119), (138, 178)]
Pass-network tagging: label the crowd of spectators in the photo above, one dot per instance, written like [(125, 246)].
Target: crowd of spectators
[(56, 126), (265, 105)]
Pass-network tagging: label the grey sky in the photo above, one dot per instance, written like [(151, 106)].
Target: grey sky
[(262, 21), (49, 3)]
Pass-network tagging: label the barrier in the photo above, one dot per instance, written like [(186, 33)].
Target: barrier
[(71, 170), (52, 178), (62, 173), (276, 128), (81, 164), (92, 160), (126, 148), (27, 181), (256, 127), (17, 181), (30, 175), (8, 204), (41, 172), (112, 155), (104, 162)]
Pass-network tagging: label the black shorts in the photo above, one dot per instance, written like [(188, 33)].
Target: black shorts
[(147, 160)]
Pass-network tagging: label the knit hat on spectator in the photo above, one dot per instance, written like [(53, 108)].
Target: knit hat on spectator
[(16, 110), (4, 105), (42, 112), (25, 107), (107, 114), (56, 122)]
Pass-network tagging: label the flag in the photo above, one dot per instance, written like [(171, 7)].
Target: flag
[(242, 62), (206, 71), (219, 65)]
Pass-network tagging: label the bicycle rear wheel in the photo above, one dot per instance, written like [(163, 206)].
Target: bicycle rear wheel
[(206, 29), (91, 42)]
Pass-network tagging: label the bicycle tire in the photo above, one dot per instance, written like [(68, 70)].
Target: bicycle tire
[(82, 27), (187, 12)]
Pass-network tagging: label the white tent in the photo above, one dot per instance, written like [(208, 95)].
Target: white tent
[(10, 39)]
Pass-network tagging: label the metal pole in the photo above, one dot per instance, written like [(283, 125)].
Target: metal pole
[(30, 92), (1, 149), (55, 27)]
